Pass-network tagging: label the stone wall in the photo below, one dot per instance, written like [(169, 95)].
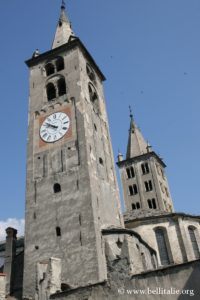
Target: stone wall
[(2, 286), (175, 283)]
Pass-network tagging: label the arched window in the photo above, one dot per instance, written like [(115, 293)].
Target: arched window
[(135, 205), (90, 73), (51, 91), (56, 188), (60, 64), (49, 69), (148, 186), (92, 93), (133, 190), (152, 203), (192, 233), (130, 172), (61, 87), (161, 237), (145, 168)]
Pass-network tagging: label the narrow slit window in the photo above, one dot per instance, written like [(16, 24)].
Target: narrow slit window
[(132, 172), (57, 188), (130, 190), (143, 169), (149, 203), (58, 231), (154, 203), (128, 173), (101, 161), (150, 186), (135, 189), (193, 239)]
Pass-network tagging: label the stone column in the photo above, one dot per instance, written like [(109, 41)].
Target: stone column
[(9, 257)]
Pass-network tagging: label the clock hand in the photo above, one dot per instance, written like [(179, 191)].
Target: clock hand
[(51, 125), (54, 126)]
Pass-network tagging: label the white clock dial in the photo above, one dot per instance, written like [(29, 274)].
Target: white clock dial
[(54, 127)]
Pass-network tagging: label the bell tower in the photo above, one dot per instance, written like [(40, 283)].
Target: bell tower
[(145, 186), (71, 188)]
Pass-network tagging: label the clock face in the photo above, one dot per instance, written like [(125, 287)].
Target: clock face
[(54, 127)]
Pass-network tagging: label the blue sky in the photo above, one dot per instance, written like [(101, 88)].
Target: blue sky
[(149, 51)]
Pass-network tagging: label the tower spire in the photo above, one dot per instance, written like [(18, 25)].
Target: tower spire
[(132, 122), (130, 109), (63, 30), (136, 142), (63, 4)]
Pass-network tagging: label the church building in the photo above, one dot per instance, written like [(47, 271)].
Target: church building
[(78, 244)]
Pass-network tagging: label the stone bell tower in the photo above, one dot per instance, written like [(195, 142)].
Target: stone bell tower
[(71, 190), (144, 182)]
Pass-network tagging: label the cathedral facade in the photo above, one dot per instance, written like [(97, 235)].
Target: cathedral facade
[(77, 243)]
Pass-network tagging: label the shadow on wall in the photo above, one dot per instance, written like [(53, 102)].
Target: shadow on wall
[(191, 289)]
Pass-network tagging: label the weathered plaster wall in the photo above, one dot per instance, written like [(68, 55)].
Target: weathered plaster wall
[(177, 231)]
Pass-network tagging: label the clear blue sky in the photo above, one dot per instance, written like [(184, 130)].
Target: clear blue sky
[(149, 51)]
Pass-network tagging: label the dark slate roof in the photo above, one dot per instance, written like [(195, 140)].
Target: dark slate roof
[(154, 214)]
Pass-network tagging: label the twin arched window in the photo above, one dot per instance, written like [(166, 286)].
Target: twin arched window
[(56, 88), (55, 66), (152, 203), (130, 172), (145, 168)]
